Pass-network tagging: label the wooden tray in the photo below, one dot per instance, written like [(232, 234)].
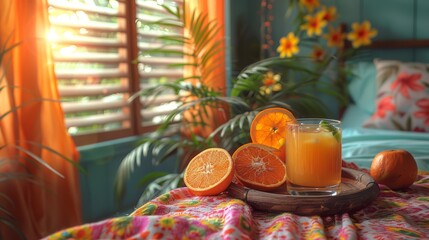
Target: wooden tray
[(358, 190)]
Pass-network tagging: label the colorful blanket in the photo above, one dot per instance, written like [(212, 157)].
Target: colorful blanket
[(181, 215)]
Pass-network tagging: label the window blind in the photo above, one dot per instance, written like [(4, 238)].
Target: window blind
[(155, 68), (102, 53)]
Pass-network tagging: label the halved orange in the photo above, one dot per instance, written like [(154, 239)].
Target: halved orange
[(269, 128), (257, 167), (209, 173)]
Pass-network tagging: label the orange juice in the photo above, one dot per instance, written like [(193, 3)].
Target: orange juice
[(313, 156)]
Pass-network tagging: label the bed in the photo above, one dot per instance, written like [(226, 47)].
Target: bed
[(389, 107)]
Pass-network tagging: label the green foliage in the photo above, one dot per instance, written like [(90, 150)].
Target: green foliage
[(159, 186)]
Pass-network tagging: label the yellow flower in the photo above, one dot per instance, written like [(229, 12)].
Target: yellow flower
[(335, 37), (318, 54), (288, 45), (310, 4), (270, 83), (329, 14), (361, 34), (314, 24)]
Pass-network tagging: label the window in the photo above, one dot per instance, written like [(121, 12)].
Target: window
[(102, 57)]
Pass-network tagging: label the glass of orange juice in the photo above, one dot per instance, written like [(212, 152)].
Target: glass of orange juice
[(313, 157)]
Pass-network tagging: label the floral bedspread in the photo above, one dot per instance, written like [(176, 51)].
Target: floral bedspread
[(181, 215)]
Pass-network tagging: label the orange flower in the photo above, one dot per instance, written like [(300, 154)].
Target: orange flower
[(270, 83), (361, 34), (309, 4), (288, 45), (314, 24), (329, 14), (318, 54), (335, 37)]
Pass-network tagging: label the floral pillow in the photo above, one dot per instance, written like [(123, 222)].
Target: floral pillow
[(402, 101)]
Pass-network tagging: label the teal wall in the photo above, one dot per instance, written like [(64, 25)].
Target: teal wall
[(242, 33), (101, 162)]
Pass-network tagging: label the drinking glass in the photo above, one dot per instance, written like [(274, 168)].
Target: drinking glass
[(313, 157)]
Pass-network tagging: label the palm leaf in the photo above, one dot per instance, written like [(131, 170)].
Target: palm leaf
[(280, 104), (3, 209), (212, 51), (155, 91), (238, 120), (295, 63), (160, 186), (148, 178), (156, 148), (178, 39), (75, 164), (171, 10), (252, 84), (234, 102), (28, 102), (38, 159), (12, 225), (7, 176), (247, 72), (197, 26), (211, 29), (185, 107), (163, 50), (4, 50), (167, 22)]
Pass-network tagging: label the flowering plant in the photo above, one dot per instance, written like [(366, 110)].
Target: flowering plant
[(304, 77), (317, 27), (305, 70), (313, 20)]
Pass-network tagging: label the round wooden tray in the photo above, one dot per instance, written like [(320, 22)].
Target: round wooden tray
[(358, 189)]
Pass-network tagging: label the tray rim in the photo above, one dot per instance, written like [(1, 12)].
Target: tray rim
[(310, 205)]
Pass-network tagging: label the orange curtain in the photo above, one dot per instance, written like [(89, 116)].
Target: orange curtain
[(27, 73), (215, 77), (215, 11)]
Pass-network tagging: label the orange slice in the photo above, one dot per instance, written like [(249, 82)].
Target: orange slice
[(269, 127), (257, 167), (209, 173)]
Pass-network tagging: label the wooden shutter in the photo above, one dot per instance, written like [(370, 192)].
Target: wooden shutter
[(100, 53), (155, 68)]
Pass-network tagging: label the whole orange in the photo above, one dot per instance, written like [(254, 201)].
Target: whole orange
[(395, 168)]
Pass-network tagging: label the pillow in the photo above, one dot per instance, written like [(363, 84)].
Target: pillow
[(402, 96), (361, 85)]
